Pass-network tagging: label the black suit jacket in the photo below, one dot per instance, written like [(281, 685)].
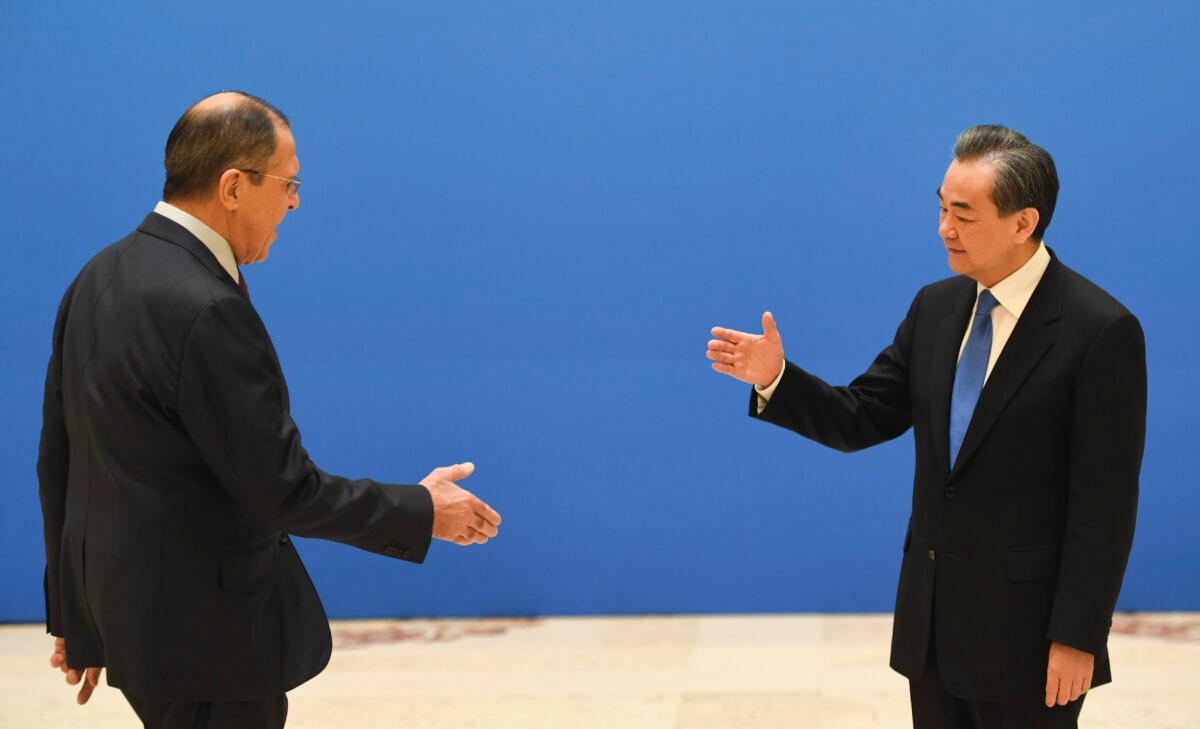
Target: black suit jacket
[(171, 474), (1025, 540)]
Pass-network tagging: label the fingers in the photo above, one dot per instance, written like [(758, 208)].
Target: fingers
[(1076, 689), (485, 527), (1064, 692), (89, 676), (721, 351), (722, 357), (768, 322), (723, 368), (730, 335), (89, 685), (467, 521), (1068, 674), (58, 659), (487, 513), (475, 536)]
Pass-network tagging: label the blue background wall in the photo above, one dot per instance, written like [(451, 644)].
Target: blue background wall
[(520, 220)]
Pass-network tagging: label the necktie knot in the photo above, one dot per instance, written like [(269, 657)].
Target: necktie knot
[(986, 303)]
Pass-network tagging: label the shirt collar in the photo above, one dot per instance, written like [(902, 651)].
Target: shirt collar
[(209, 237), (1014, 292)]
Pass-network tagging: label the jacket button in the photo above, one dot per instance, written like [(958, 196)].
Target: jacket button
[(949, 492), (931, 555), (283, 539)]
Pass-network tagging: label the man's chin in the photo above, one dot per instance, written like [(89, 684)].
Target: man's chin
[(956, 262), (266, 250)]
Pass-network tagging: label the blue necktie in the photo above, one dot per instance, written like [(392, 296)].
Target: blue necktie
[(972, 366)]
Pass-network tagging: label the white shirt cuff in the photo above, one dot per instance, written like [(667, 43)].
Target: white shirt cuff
[(765, 393)]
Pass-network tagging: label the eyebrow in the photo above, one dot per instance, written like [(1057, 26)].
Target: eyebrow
[(955, 204)]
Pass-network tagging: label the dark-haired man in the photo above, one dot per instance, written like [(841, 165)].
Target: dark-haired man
[(171, 472), (1025, 385)]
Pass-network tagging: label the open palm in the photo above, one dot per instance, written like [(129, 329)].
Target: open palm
[(752, 358)]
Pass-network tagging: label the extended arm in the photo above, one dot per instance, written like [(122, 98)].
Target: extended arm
[(230, 400), (875, 407)]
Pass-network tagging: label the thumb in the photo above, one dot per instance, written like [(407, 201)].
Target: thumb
[(460, 470), (768, 321)]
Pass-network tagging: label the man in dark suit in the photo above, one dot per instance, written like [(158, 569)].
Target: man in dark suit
[(1025, 385), (171, 471)]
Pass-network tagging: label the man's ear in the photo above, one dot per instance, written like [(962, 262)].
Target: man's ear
[(1027, 221), (229, 187)]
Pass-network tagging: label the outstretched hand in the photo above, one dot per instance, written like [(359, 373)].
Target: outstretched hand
[(89, 676), (458, 516), (753, 358)]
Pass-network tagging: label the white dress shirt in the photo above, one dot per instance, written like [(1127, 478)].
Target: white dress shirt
[(1012, 294), (209, 237)]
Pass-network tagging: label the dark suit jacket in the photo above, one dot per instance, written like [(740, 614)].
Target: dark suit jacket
[(1026, 539), (171, 474)]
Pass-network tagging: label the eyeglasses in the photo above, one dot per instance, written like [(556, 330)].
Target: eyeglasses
[(293, 183)]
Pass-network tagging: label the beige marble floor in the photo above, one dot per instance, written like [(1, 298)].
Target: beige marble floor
[(718, 672)]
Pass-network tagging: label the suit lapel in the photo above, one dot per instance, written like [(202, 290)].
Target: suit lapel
[(945, 360), (1029, 342)]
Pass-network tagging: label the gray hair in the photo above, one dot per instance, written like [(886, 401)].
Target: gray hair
[(1025, 173)]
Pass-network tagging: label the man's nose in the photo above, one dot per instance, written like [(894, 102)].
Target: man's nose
[(945, 229), (295, 203)]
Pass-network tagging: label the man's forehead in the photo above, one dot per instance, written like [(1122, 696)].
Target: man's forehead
[(285, 151), (953, 201), (289, 164), (967, 185)]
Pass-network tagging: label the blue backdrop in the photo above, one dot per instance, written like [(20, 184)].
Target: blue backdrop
[(520, 220)]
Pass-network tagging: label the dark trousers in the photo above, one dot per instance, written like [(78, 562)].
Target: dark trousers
[(935, 708), (167, 714)]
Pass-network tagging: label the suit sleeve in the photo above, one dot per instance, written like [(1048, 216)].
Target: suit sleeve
[(53, 467), (874, 408), (1108, 431), (230, 400)]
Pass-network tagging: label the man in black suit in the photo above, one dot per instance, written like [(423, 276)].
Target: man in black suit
[(1025, 385), (171, 471)]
